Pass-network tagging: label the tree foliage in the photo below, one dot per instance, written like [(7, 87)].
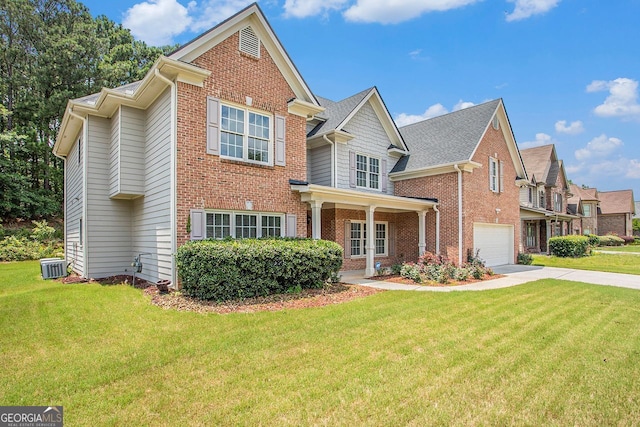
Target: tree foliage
[(52, 51)]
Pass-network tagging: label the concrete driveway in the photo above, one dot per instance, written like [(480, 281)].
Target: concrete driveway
[(514, 275)]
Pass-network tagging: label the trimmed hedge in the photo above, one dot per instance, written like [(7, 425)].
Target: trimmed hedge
[(611, 240), (223, 270), (569, 246)]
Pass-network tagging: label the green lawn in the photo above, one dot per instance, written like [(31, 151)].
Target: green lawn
[(628, 248), (545, 353), (613, 263)]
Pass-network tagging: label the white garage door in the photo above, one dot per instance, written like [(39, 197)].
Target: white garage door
[(495, 243)]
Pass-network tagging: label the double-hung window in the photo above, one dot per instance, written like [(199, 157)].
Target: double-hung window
[(586, 209), (557, 202), (359, 238), (367, 172), (245, 135), (242, 225)]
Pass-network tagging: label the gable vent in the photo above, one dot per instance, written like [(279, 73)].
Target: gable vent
[(249, 42)]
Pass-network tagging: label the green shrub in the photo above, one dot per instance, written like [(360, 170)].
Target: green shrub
[(628, 239), (569, 246), (410, 270), (524, 258), (593, 240), (611, 240), (22, 249), (222, 270), (43, 232)]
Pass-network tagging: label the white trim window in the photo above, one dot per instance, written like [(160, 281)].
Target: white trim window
[(586, 208), (243, 225), (245, 135), (367, 172), (557, 202), (359, 238), (493, 175)]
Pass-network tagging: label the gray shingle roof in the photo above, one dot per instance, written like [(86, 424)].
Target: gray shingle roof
[(91, 99), (445, 139), (616, 202), (336, 112), (536, 160)]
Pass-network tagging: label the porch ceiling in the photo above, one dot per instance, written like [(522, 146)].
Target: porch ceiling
[(353, 199)]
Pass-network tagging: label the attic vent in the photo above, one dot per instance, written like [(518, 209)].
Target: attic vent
[(496, 122), (249, 42)]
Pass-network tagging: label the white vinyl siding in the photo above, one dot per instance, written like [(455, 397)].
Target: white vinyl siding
[(126, 155), (108, 221), (74, 202), (369, 139), (319, 165), (152, 213)]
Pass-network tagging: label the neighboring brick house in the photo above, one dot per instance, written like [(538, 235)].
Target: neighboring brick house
[(469, 161), (615, 215), (584, 203), (543, 201)]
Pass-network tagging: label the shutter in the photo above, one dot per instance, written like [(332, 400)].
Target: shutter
[(501, 165), (198, 221), (292, 225), (352, 169), (347, 239), (280, 142), (392, 239), (213, 126), (384, 174)]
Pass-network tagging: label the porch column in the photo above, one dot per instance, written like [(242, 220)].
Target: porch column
[(316, 219), (422, 231), (548, 233), (370, 269)]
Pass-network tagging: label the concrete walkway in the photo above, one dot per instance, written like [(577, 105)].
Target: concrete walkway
[(514, 275)]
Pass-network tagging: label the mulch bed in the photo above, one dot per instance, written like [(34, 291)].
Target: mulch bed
[(307, 298), (405, 281), (331, 294)]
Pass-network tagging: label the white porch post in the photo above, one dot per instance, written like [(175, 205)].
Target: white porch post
[(422, 231), (548, 233), (316, 219), (370, 269)]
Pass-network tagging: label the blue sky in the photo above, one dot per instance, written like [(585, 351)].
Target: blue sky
[(568, 70)]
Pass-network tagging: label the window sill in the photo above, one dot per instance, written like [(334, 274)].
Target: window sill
[(246, 163)]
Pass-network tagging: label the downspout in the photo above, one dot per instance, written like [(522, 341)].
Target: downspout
[(435, 208), (174, 197), (459, 213), (334, 162), (85, 156)]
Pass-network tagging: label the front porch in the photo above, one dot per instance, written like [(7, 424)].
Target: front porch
[(539, 225), (370, 227)]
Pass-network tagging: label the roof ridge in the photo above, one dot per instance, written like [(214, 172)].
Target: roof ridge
[(451, 112)]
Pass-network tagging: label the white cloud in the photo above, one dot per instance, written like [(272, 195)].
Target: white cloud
[(435, 110), (212, 12), (305, 8), (622, 100), (393, 12), (633, 171), (527, 8), (598, 147), (541, 139), (404, 119), (461, 105), (572, 129), (156, 22)]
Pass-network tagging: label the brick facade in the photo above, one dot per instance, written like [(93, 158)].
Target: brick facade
[(617, 224), (209, 182), (479, 203)]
